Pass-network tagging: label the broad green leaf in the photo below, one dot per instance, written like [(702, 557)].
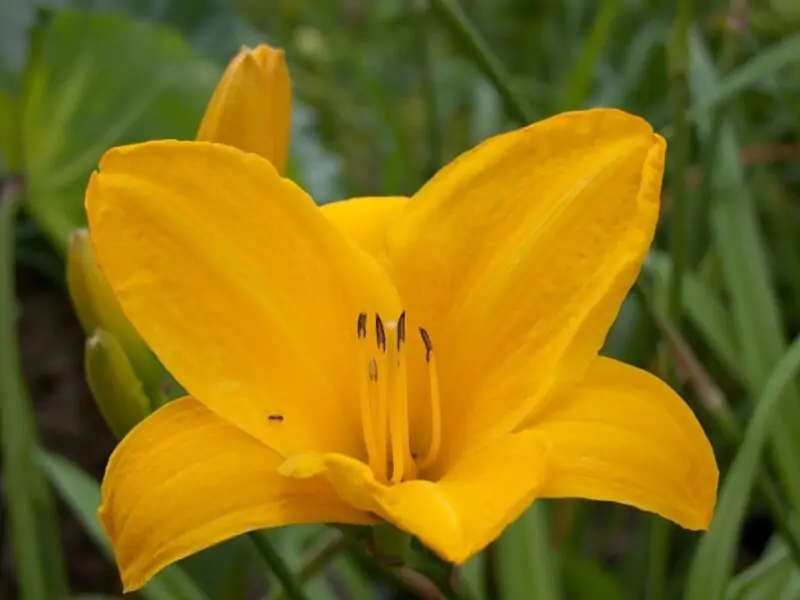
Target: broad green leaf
[(34, 539), (713, 564), (525, 566), (82, 495), (100, 81)]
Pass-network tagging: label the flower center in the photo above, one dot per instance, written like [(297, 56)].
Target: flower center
[(383, 374)]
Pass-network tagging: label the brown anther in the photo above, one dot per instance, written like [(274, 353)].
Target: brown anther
[(426, 339), (361, 328), (401, 330), (380, 333), (373, 370), (275, 418)]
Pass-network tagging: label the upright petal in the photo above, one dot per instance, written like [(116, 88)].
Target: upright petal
[(623, 435), (366, 220), (517, 256), (247, 294), (456, 516), (184, 480), (251, 108)]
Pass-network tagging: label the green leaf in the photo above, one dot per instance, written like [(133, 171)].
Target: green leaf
[(586, 579), (713, 564), (97, 82), (82, 495), (704, 308), (765, 578), (762, 66), (525, 567), (38, 562), (755, 308)]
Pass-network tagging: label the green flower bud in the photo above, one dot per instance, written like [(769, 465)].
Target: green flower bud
[(114, 385)]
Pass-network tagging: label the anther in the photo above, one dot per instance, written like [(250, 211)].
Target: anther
[(373, 370), (275, 418), (362, 325), (426, 339), (401, 330), (380, 333)]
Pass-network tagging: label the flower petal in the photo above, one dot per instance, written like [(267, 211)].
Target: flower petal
[(456, 516), (366, 220), (251, 108), (623, 435), (517, 256), (184, 479), (246, 293)]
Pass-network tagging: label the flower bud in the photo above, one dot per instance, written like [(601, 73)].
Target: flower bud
[(97, 308), (116, 389), (251, 108)]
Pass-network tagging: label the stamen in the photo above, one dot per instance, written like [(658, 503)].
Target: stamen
[(382, 416), (436, 412), (402, 464), (368, 393), (380, 333), (361, 327)]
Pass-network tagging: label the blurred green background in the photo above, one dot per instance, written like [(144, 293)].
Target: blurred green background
[(387, 91)]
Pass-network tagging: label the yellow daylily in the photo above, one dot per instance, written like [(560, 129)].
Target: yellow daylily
[(252, 106), (429, 362)]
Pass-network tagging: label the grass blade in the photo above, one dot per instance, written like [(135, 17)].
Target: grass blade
[(713, 564), (82, 495), (525, 566), (38, 561)]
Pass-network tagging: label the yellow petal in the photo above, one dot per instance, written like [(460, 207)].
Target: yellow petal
[(246, 293), (517, 256), (456, 516), (623, 435), (366, 220), (184, 479), (251, 108)]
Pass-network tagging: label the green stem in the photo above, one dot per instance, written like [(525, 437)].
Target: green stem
[(454, 17), (291, 586)]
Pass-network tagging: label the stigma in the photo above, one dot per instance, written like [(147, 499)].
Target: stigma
[(383, 376)]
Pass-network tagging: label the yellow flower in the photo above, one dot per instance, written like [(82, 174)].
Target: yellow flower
[(252, 105), (429, 362)]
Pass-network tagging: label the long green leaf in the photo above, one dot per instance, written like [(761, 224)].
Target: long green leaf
[(82, 494), (713, 564), (525, 565), (38, 561), (754, 304), (763, 65)]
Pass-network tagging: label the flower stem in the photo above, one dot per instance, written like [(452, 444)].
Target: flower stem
[(292, 588), (453, 16)]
